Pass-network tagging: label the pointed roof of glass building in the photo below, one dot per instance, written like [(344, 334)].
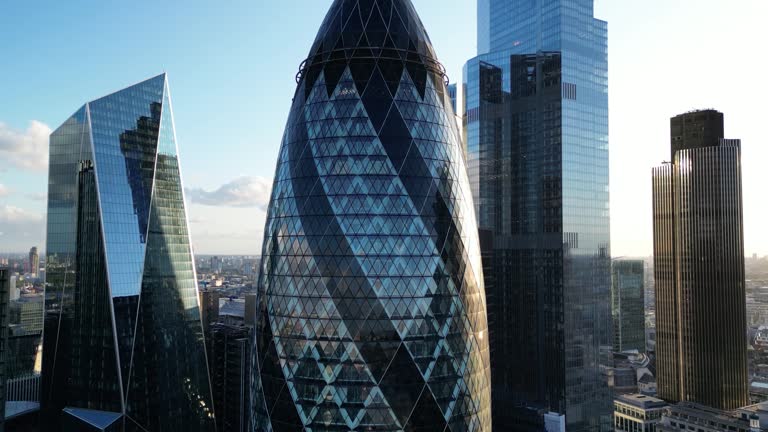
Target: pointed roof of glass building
[(373, 312), (365, 34)]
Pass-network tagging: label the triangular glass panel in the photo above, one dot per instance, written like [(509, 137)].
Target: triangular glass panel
[(376, 30)]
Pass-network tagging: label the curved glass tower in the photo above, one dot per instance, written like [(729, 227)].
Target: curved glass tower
[(372, 313)]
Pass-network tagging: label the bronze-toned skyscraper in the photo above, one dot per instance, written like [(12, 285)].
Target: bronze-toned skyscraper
[(699, 266)]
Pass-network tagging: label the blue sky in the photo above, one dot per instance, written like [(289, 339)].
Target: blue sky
[(231, 68)]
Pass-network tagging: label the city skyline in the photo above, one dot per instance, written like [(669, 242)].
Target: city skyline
[(389, 215), (239, 186)]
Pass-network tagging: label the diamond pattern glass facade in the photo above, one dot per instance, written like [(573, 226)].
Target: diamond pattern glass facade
[(371, 303), (122, 333)]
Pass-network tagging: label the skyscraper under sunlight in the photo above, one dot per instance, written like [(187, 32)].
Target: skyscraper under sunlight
[(123, 342), (628, 305), (535, 115), (698, 247)]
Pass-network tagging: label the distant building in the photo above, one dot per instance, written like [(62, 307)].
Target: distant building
[(621, 380), (758, 416), (209, 308), (646, 384), (4, 294), (637, 413), (34, 262), (554, 422), (216, 265), (758, 390), (15, 292), (23, 361), (628, 373), (248, 267), (229, 358), (689, 416), (628, 305), (26, 314), (230, 374), (701, 346), (453, 94)]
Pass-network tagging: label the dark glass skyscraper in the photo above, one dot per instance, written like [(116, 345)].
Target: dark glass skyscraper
[(628, 305), (5, 291), (123, 342), (698, 246), (536, 128), (372, 311)]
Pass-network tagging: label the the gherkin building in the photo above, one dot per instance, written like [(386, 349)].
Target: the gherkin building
[(372, 312)]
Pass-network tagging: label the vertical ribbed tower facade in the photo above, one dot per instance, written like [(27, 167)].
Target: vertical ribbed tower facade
[(699, 267), (123, 345), (372, 313)]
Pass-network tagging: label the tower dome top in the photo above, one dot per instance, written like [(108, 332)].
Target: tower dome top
[(363, 33)]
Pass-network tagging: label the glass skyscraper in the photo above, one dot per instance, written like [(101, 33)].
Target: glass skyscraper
[(535, 112), (628, 305), (372, 312), (123, 343)]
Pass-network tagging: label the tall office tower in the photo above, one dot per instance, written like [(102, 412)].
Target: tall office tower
[(230, 375), (216, 265), (123, 340), (628, 305), (34, 262), (701, 350), (372, 308), (535, 116), (209, 308), (452, 95)]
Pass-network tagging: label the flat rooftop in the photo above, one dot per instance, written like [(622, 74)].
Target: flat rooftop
[(641, 401)]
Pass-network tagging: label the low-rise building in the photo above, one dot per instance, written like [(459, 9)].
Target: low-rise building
[(637, 413), (688, 416), (26, 315)]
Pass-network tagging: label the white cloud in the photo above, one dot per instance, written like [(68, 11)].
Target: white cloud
[(241, 192), (13, 215), (4, 191), (20, 229), (232, 230), (40, 196), (27, 149)]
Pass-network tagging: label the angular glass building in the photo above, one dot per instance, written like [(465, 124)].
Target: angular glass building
[(535, 113), (123, 346), (371, 304)]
